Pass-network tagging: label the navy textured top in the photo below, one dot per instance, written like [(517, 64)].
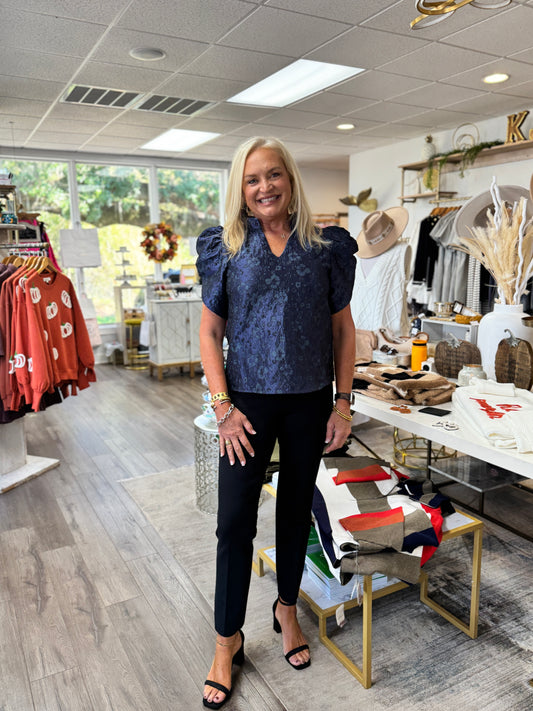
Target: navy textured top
[(278, 309)]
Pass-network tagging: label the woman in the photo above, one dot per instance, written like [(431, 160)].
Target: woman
[(279, 289)]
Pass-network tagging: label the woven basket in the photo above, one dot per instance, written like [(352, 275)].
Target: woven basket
[(514, 362), (451, 355)]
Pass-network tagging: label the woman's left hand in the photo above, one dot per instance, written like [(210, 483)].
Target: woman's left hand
[(337, 432)]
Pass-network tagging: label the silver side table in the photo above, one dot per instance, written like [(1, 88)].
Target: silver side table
[(206, 456)]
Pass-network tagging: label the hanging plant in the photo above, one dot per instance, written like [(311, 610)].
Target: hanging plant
[(469, 155)]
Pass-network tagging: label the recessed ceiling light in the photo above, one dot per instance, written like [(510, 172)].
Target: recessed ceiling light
[(294, 82), (345, 126), (147, 54), (495, 78), (177, 139)]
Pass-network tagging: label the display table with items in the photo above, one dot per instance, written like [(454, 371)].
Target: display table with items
[(388, 538)]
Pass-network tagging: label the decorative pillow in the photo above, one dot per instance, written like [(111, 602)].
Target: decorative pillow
[(371, 473)]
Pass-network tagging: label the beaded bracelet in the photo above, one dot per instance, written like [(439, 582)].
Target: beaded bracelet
[(348, 418), (226, 415)]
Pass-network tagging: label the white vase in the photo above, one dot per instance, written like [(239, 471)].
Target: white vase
[(158, 271), (492, 329)]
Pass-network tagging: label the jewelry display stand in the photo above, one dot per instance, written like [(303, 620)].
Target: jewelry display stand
[(16, 465)]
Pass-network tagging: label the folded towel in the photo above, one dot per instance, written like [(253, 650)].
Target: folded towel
[(496, 417), (491, 387)]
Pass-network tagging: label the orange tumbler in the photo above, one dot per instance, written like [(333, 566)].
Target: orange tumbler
[(419, 353)]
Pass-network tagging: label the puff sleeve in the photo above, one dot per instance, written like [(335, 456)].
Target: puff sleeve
[(342, 249), (211, 264)]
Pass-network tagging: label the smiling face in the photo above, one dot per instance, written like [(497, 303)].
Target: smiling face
[(266, 185)]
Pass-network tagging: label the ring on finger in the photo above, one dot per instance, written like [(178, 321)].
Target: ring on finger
[(228, 443)]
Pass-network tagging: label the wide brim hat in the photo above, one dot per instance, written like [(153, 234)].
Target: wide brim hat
[(474, 212), (381, 230)]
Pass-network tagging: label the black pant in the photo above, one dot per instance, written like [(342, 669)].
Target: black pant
[(298, 422)]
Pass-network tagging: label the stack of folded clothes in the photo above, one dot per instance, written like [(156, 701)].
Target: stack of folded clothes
[(371, 519), (401, 386)]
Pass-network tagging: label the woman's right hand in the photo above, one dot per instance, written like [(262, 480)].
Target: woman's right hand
[(233, 434)]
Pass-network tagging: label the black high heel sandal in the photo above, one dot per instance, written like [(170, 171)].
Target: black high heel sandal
[(238, 658), (277, 628)]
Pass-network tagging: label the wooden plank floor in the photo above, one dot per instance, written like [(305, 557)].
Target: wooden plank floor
[(96, 614)]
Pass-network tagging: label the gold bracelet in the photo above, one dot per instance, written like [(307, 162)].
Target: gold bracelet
[(219, 396), (348, 418), (214, 405)]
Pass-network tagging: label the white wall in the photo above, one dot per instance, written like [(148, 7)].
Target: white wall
[(378, 168), (324, 188)]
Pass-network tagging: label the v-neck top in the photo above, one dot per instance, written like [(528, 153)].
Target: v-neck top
[(277, 309)]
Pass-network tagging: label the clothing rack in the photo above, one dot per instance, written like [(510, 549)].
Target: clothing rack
[(17, 246)]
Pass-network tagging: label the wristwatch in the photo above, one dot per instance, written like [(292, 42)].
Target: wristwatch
[(345, 396)]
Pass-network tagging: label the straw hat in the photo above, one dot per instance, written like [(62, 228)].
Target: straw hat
[(381, 229), (474, 212)]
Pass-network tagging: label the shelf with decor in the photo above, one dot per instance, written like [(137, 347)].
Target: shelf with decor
[(495, 155)]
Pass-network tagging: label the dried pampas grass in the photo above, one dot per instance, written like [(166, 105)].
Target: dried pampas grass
[(504, 247)]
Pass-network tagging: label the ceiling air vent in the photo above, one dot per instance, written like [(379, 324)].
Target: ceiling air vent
[(172, 105), (98, 96)]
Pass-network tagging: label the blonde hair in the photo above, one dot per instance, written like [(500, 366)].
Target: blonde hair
[(309, 235)]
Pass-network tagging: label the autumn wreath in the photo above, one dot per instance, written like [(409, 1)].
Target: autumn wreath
[(155, 236)]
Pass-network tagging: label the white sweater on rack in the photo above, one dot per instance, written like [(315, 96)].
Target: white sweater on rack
[(379, 296)]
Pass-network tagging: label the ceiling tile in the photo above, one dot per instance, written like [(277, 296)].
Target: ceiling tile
[(344, 10), (201, 20), (213, 125), (18, 122), (133, 117), (68, 37), (101, 11), (89, 113), (201, 87), (117, 128), (392, 130), (331, 125), (525, 56), (254, 129), (24, 88), (15, 138), (113, 142), (37, 65), (386, 111), (332, 103), (524, 90), (518, 72), (228, 63), (291, 118), (53, 145), (435, 96), (379, 85), (116, 45), (436, 61), (440, 119), (489, 105), (22, 107), (507, 33), (277, 31), (57, 125), (236, 112), (366, 48), (59, 137), (115, 76)]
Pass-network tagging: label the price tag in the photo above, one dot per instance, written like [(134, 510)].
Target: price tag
[(339, 614)]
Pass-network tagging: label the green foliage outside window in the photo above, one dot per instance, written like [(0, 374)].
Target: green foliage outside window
[(115, 199)]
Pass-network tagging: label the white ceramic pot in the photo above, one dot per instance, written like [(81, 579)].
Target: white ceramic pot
[(492, 329)]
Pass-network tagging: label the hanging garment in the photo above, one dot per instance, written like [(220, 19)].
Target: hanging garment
[(450, 275), (379, 297), (426, 252)]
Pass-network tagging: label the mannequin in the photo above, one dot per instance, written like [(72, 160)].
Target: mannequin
[(383, 267)]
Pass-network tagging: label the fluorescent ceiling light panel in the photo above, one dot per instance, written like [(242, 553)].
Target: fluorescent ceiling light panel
[(179, 140), (298, 80)]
